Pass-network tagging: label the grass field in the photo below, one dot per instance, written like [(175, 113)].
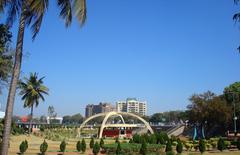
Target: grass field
[(53, 147)]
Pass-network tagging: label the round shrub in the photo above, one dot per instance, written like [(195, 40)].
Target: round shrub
[(23, 147), (119, 149), (143, 149), (63, 146), (43, 147), (221, 145), (91, 144), (130, 141), (179, 147), (101, 143), (79, 146), (96, 148), (202, 146), (84, 146), (168, 146)]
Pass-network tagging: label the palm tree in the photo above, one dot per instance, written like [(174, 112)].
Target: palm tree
[(31, 13), (32, 90)]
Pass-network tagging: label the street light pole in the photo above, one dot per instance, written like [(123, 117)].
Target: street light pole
[(234, 115)]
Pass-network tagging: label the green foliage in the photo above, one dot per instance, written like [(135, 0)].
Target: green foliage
[(79, 146), (221, 145), (101, 143), (162, 138), (6, 59), (75, 119), (132, 148), (168, 146), (179, 147), (130, 141), (202, 146), (43, 147), (91, 144), (119, 149), (116, 140), (23, 147), (96, 148), (143, 150), (136, 138), (84, 146), (63, 146), (208, 106), (238, 144), (170, 153)]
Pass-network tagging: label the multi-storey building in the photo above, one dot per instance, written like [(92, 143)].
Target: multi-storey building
[(132, 105), (92, 109)]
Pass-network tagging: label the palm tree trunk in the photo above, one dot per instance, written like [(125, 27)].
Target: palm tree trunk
[(31, 118), (13, 85)]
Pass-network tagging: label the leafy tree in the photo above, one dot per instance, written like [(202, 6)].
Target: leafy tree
[(51, 114), (157, 117), (205, 110), (84, 146), (6, 59), (232, 96), (79, 146), (179, 147), (75, 119), (168, 146), (91, 144), (101, 143), (31, 90), (96, 148), (143, 149), (202, 146), (119, 149), (63, 146), (221, 145), (43, 119), (43, 147), (31, 12)]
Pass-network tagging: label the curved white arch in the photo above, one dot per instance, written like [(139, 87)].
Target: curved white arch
[(141, 119), (109, 114)]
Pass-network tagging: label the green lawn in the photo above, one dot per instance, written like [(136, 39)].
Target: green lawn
[(53, 146)]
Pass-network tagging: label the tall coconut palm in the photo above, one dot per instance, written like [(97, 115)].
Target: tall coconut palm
[(31, 13), (32, 90)]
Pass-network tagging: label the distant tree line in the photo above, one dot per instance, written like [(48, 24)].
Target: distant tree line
[(74, 119), (214, 112)]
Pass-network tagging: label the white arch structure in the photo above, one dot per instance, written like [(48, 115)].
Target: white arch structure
[(110, 114)]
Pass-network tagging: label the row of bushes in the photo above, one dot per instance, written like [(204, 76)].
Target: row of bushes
[(80, 146), (156, 138)]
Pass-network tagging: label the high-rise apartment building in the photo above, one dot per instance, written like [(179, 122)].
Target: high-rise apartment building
[(132, 105), (92, 109)]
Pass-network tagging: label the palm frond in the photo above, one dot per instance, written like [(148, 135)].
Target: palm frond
[(13, 11), (37, 9), (236, 17), (2, 5), (236, 1), (66, 11), (80, 10)]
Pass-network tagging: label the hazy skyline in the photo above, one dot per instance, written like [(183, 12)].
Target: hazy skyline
[(157, 51)]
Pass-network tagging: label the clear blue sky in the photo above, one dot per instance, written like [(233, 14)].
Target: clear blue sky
[(160, 51)]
